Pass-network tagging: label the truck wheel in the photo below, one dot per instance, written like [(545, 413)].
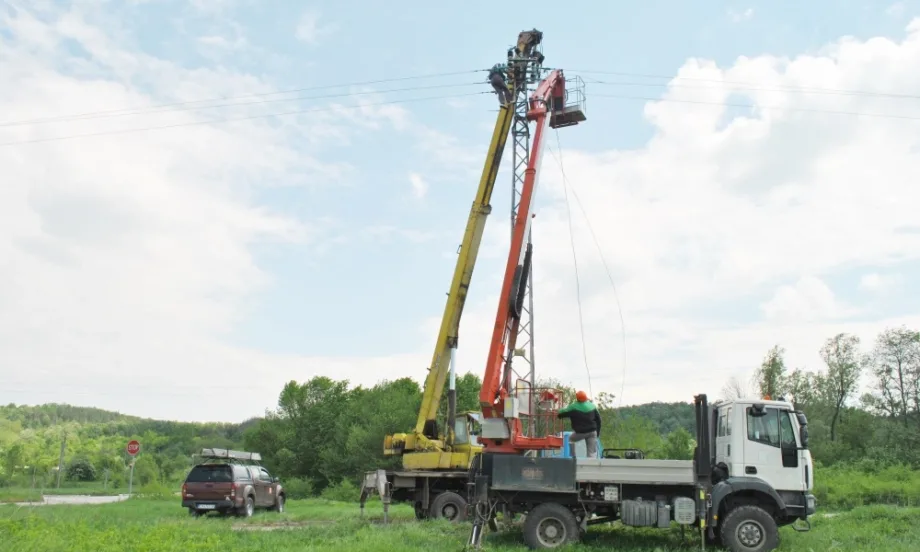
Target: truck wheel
[(550, 525), (749, 529), (449, 506), (248, 508), (279, 504)]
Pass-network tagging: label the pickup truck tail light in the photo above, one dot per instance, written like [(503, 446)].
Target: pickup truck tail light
[(184, 490), (233, 490)]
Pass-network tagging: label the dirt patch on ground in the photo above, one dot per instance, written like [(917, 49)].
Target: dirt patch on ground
[(281, 526), (48, 500)]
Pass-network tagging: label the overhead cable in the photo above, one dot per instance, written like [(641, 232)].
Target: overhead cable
[(234, 119)]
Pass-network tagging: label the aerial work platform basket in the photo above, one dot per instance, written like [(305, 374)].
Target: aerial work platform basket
[(572, 111)]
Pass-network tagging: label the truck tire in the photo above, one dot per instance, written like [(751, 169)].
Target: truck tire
[(448, 505), (749, 529), (279, 504), (249, 507), (550, 525)]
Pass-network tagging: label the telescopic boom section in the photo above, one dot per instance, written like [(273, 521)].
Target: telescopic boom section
[(501, 405), (426, 425)]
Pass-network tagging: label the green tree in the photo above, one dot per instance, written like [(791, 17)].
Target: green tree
[(844, 365), (769, 377), (678, 445), (895, 364), (81, 469)]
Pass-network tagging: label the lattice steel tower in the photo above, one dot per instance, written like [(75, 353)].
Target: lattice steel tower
[(526, 71)]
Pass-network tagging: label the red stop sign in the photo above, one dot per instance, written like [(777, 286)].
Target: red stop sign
[(133, 448)]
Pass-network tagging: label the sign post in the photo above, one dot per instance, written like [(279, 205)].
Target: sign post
[(133, 448)]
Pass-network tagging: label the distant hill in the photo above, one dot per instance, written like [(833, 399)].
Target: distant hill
[(666, 416), (45, 415)]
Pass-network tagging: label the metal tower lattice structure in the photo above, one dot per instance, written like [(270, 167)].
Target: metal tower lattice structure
[(527, 73)]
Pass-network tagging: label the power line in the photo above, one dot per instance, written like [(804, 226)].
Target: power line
[(756, 106), (102, 115), (581, 322), (750, 84), (253, 95), (756, 89), (600, 251), (235, 119)]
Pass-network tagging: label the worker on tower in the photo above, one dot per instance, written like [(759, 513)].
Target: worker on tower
[(586, 423), (497, 80)]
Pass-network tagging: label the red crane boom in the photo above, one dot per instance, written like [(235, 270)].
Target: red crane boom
[(502, 406)]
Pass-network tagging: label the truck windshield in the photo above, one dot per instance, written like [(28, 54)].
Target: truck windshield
[(210, 474)]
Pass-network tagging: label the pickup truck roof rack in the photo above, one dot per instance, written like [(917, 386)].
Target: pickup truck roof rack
[(233, 456)]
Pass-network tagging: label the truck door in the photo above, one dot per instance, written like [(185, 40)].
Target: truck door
[(724, 437), (265, 495), (771, 450)]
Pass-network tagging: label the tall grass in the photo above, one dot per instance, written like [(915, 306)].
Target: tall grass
[(846, 487), (158, 525), (837, 488)]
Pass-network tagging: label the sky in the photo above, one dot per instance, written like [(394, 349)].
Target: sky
[(201, 201)]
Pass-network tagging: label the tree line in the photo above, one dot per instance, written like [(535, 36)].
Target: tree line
[(323, 432), (881, 426)]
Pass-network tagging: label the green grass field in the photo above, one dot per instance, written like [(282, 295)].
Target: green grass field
[(159, 525)]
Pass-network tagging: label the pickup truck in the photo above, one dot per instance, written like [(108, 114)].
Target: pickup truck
[(231, 488)]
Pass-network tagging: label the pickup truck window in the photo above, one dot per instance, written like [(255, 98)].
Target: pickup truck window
[(242, 473), (210, 474), (263, 475)]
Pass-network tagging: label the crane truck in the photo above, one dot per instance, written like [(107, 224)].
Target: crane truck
[(751, 473), (436, 462)]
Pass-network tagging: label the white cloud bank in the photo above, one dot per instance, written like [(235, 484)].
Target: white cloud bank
[(124, 262)]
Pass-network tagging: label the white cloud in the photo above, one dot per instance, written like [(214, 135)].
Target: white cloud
[(809, 299), (896, 9), (738, 17), (419, 186), (128, 258), (877, 283), (311, 30)]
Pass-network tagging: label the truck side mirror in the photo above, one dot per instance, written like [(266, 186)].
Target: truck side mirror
[(803, 427)]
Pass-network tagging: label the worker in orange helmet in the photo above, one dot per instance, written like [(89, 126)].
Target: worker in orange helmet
[(586, 423)]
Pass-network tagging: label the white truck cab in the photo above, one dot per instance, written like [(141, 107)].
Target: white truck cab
[(766, 439)]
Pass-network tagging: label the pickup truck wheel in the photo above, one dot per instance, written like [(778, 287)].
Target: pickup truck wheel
[(194, 513), (279, 504), (449, 506), (749, 529), (550, 525), (248, 508)]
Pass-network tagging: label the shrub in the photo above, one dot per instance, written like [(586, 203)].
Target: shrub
[(298, 487), (343, 491)]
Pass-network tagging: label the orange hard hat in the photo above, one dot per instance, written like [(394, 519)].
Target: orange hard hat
[(581, 396)]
